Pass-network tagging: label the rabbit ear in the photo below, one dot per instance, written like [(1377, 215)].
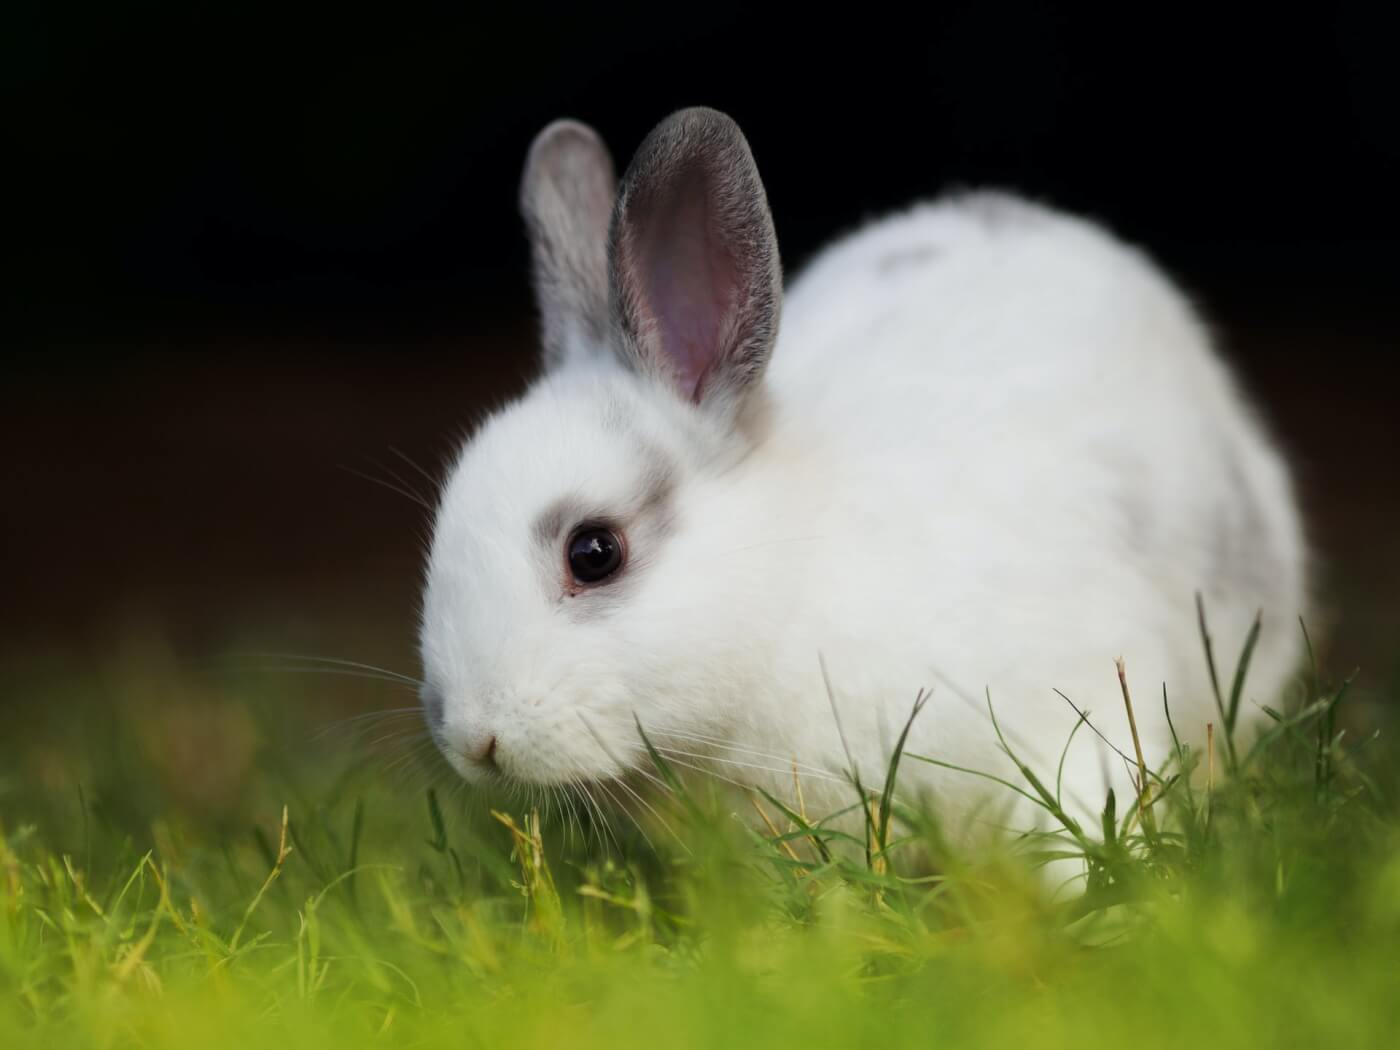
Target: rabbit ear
[(566, 198), (695, 278)]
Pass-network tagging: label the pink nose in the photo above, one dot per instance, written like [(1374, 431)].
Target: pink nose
[(485, 755)]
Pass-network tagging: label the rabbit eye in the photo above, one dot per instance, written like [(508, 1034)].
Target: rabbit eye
[(594, 553)]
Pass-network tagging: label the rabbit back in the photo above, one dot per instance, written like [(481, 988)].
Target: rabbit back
[(1017, 432)]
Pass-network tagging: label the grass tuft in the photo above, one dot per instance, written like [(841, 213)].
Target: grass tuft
[(306, 895)]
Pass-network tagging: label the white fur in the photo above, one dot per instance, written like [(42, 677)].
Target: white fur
[(994, 451)]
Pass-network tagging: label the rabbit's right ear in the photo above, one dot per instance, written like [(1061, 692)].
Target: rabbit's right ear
[(566, 198), (696, 283)]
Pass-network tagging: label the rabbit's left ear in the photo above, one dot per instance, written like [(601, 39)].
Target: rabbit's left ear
[(695, 279), (566, 198)]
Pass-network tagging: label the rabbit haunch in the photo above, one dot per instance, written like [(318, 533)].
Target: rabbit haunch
[(989, 449)]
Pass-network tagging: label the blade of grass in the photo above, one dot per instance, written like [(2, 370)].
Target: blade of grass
[(1231, 757), (1241, 669), (852, 770), (807, 830), (887, 795), (283, 852), (1046, 800), (1182, 753), (663, 768), (1064, 753), (1145, 814)]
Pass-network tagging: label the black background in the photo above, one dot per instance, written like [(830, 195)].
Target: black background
[(250, 247)]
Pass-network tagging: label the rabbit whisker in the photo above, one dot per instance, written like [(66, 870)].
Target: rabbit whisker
[(788, 761), (368, 722), (333, 661), (772, 756), (408, 494), (711, 773), (607, 790), (667, 752), (401, 481), (434, 482), (653, 811)]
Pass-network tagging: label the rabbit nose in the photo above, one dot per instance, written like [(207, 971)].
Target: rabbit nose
[(483, 754)]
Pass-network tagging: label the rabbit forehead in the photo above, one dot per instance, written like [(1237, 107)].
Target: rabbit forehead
[(571, 443)]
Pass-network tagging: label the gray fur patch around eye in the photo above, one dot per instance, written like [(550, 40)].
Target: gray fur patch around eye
[(657, 484), (659, 481), (646, 522), (549, 526)]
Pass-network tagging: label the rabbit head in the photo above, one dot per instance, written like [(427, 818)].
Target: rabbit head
[(575, 587)]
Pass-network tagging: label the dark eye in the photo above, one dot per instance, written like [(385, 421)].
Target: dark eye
[(594, 554)]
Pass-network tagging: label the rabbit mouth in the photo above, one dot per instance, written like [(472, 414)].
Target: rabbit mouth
[(542, 757)]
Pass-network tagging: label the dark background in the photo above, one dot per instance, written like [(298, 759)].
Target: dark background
[(250, 249)]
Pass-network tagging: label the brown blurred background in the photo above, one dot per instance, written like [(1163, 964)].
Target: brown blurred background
[(255, 258)]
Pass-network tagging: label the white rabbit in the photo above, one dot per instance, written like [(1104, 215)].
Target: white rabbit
[(990, 449)]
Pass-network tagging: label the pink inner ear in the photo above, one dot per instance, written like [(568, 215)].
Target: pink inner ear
[(691, 282)]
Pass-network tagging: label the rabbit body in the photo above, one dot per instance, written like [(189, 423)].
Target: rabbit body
[(1057, 464), (993, 450)]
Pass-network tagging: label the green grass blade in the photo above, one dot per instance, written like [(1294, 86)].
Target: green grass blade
[(1241, 669)]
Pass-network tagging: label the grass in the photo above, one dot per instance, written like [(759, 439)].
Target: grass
[(182, 865)]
